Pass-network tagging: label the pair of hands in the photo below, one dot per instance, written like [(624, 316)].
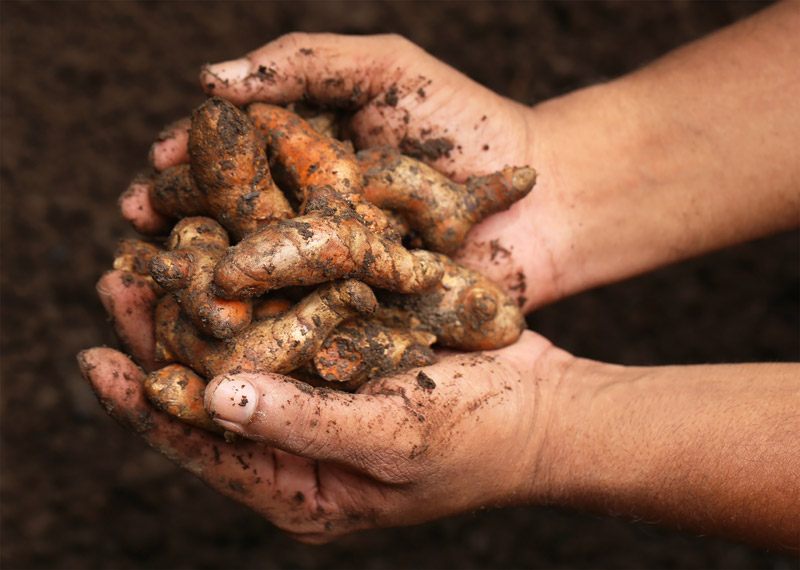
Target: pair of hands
[(468, 432)]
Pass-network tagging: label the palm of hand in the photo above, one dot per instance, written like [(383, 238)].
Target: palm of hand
[(324, 463)]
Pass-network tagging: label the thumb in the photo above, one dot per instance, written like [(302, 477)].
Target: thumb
[(376, 434), (325, 68)]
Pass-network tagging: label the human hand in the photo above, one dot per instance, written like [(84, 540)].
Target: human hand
[(464, 433), (401, 96)]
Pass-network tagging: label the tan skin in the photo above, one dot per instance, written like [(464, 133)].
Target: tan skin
[(635, 174)]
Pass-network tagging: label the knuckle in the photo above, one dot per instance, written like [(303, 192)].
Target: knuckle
[(293, 39), (305, 431), (404, 48), (391, 469), (399, 41), (400, 460)]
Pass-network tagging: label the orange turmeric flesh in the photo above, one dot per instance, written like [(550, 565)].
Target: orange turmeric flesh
[(279, 344), (441, 211), (362, 349), (187, 269), (465, 311), (271, 307), (229, 163), (178, 391)]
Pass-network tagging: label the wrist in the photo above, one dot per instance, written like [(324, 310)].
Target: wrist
[(561, 388), (587, 147), (571, 464), (562, 238)]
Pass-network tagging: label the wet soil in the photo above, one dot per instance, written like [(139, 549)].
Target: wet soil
[(86, 87)]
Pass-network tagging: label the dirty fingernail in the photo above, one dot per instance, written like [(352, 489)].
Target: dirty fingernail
[(227, 72), (232, 401), (82, 364)]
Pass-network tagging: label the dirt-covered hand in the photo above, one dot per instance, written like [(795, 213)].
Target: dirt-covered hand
[(396, 94), (399, 95), (464, 433)]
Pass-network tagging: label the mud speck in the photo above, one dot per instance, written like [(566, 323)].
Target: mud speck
[(266, 73), (391, 96), (498, 250), (424, 381), (431, 149)]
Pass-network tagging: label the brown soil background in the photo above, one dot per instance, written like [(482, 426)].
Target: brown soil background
[(85, 88)]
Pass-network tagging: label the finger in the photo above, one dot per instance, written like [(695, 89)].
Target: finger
[(404, 96), (241, 470), (171, 148), (138, 210), (329, 69), (129, 300), (374, 434), (284, 488), (244, 471)]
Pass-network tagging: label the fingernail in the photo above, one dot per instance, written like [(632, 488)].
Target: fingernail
[(228, 72), (104, 292), (83, 365), (232, 401)]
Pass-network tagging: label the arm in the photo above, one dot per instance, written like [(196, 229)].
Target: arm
[(712, 449), (695, 152)]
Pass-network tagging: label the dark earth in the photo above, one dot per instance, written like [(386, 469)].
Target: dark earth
[(86, 87)]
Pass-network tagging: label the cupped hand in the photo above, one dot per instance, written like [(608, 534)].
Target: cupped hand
[(398, 95), (464, 433)]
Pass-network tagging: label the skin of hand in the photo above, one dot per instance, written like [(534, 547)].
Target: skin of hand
[(320, 464)]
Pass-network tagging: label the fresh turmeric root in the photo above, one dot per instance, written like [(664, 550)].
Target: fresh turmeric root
[(279, 344), (315, 249), (230, 169), (340, 235), (271, 307), (465, 311), (353, 212), (227, 177), (441, 211), (187, 269), (178, 391), (362, 349), (305, 161)]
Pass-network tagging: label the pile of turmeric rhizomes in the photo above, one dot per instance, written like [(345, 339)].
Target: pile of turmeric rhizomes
[(289, 254)]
